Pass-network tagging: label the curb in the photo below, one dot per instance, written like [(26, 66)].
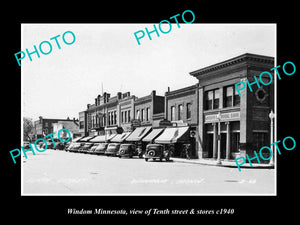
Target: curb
[(233, 165)]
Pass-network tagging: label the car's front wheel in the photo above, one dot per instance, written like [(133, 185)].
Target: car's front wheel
[(146, 159)]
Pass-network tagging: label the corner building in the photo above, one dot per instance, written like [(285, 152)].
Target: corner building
[(237, 125)]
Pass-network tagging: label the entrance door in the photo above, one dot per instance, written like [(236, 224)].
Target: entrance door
[(209, 145), (223, 145)]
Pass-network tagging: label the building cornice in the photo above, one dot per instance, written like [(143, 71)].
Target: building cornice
[(242, 59)]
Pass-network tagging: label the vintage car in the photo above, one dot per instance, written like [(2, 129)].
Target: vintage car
[(112, 149), (100, 149), (156, 151), (129, 150), (92, 149), (75, 146), (42, 145), (85, 147), (26, 145), (59, 145)]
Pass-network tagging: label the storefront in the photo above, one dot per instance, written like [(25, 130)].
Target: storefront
[(229, 123), (152, 135), (177, 138), (119, 138), (137, 135), (103, 138)]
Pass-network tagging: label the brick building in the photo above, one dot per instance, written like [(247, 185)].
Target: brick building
[(44, 126), (125, 111), (147, 107), (242, 122), (181, 109)]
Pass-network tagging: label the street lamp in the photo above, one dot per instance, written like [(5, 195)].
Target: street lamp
[(219, 139), (272, 116)]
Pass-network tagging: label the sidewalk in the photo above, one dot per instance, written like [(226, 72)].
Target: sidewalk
[(225, 163)]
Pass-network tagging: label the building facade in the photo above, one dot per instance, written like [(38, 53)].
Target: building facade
[(125, 110), (45, 126), (237, 125), (181, 109), (146, 109)]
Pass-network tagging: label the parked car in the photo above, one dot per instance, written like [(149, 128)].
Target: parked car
[(129, 150), (112, 149), (70, 146), (100, 149), (75, 146), (49, 145), (85, 147), (59, 145), (156, 151), (26, 145), (92, 149)]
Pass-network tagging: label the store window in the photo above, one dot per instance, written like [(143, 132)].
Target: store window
[(128, 115)]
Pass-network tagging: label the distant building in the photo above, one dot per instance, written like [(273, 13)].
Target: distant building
[(72, 126), (44, 126)]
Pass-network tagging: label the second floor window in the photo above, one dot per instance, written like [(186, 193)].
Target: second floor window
[(172, 113), (188, 110), (147, 114), (231, 97), (143, 115), (180, 111), (212, 99)]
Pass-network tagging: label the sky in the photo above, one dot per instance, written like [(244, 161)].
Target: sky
[(62, 83)]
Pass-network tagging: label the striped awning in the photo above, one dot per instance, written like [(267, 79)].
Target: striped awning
[(153, 134), (138, 133), (172, 135), (120, 137)]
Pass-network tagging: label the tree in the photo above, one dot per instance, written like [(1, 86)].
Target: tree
[(27, 128)]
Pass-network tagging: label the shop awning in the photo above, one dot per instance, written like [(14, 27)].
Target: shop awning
[(120, 137), (101, 138), (138, 133), (153, 134), (87, 138), (173, 135), (76, 139)]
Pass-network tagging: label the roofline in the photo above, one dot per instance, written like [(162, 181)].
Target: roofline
[(232, 61), (181, 89)]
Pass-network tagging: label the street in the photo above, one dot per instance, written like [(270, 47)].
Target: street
[(55, 172)]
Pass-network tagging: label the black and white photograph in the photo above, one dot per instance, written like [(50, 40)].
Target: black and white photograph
[(163, 117), (138, 112)]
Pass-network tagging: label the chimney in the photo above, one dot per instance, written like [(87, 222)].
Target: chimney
[(96, 101), (119, 95), (88, 106), (98, 98), (168, 89)]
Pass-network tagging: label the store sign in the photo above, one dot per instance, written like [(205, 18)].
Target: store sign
[(224, 117)]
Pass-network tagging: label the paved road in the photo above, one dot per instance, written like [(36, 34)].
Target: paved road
[(64, 173)]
